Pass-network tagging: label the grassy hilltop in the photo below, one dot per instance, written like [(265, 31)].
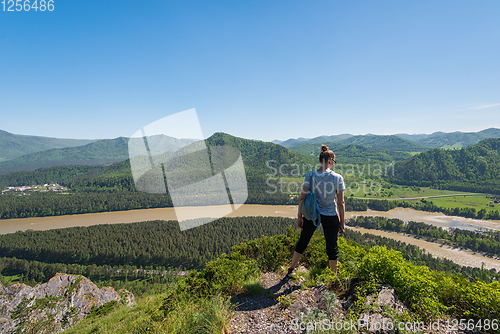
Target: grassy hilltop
[(201, 303)]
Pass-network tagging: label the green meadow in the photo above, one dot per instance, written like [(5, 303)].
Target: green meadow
[(392, 191), (478, 202)]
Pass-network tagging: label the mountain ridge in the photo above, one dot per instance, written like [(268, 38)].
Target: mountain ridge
[(352, 153), (456, 139), (390, 142), (439, 139), (99, 152), (14, 145)]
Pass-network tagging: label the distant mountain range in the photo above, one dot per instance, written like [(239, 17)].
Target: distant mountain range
[(99, 152), (111, 187), (28, 153), (452, 139), (393, 143), (352, 153), (317, 140), (383, 147), (12, 146), (436, 140)]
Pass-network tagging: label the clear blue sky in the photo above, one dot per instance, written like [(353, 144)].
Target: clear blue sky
[(255, 69)]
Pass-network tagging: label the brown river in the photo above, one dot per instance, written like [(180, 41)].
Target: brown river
[(461, 257)]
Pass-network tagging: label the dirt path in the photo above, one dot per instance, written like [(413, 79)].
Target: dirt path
[(435, 196), (264, 314)]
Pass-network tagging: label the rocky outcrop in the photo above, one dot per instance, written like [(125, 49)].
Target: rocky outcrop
[(53, 306), (384, 312), (291, 307)]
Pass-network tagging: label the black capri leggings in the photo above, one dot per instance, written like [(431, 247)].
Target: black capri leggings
[(330, 229)]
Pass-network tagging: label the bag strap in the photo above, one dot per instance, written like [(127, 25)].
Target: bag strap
[(316, 221), (312, 181)]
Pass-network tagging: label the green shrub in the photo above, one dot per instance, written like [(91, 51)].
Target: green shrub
[(225, 275), (414, 285), (315, 254), (270, 253), (430, 293), (466, 299)]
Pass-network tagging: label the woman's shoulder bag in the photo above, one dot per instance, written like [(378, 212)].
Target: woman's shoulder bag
[(310, 209)]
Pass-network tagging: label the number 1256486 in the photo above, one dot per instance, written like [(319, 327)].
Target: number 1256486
[(27, 5)]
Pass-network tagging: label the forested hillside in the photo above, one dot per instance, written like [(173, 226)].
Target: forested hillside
[(155, 243), (455, 139), (140, 257), (12, 145), (78, 174), (393, 143), (317, 140), (353, 153), (112, 188), (475, 168), (257, 153)]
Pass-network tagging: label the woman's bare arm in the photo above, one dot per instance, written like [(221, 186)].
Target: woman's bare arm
[(303, 195)]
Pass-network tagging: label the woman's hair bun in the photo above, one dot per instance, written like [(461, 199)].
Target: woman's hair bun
[(324, 148)]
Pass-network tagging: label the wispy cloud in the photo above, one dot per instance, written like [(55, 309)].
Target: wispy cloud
[(485, 106)]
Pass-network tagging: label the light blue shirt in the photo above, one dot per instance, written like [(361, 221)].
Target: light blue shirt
[(326, 186)]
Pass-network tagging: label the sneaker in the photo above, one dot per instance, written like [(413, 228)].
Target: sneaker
[(289, 272)]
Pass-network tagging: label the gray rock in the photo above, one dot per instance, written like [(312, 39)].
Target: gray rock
[(66, 298), (376, 323), (381, 305), (299, 307)]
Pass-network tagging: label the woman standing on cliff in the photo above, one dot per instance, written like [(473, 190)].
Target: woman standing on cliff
[(329, 192)]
